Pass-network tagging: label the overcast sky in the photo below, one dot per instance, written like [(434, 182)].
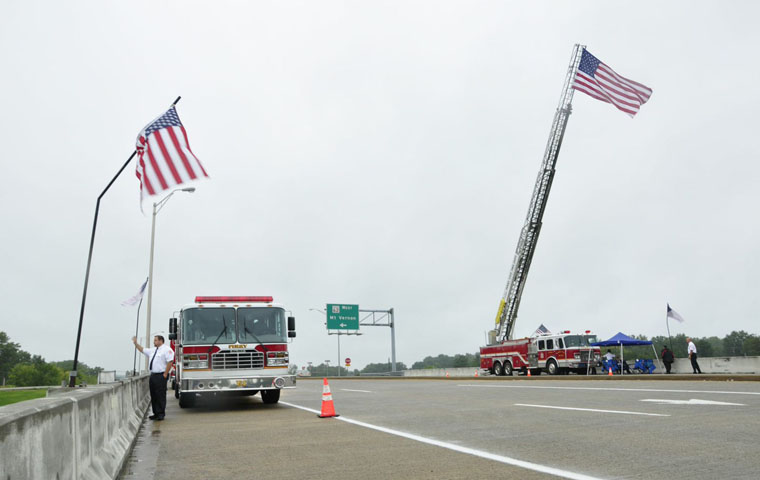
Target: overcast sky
[(379, 153)]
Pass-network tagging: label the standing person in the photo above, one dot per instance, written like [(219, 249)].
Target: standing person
[(667, 358), (693, 356), (161, 357)]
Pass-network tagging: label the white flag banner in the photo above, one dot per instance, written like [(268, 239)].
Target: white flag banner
[(674, 315), (134, 300)]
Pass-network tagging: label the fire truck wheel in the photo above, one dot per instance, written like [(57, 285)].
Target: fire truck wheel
[(551, 367), (507, 368), (270, 396), (498, 370), (186, 400)]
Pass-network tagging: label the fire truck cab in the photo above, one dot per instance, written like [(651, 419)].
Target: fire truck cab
[(231, 345), (555, 354)]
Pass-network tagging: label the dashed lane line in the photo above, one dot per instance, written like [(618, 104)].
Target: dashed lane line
[(458, 448), (351, 390), (622, 412)]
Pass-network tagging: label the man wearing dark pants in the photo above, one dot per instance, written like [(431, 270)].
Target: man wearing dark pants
[(161, 357), (693, 356)]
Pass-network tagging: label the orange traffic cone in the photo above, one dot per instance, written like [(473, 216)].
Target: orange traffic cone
[(476, 373), (447, 374), (328, 409), (610, 374), (529, 372)]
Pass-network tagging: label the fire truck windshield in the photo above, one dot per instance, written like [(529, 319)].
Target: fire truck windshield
[(200, 326), (265, 325), (579, 340)]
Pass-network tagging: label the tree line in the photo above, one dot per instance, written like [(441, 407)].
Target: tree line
[(20, 368)]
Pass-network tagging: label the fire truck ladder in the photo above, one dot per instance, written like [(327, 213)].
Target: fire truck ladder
[(526, 246)]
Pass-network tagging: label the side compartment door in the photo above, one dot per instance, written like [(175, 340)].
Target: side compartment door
[(532, 355)]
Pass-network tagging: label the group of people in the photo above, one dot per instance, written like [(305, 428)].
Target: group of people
[(668, 358)]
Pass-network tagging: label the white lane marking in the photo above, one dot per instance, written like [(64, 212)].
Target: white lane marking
[(691, 401), (611, 389), (350, 390), (458, 448), (592, 410)]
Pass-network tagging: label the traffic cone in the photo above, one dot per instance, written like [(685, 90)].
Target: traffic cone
[(328, 409), (447, 374), (529, 372), (476, 373), (610, 374)]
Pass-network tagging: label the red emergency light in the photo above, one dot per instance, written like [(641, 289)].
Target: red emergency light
[(233, 299)]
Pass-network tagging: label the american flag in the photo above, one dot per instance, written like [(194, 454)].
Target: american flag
[(165, 160), (601, 82)]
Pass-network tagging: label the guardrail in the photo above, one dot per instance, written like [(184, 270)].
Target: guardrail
[(74, 433)]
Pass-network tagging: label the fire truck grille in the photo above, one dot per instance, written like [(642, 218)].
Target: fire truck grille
[(584, 356), (227, 360)]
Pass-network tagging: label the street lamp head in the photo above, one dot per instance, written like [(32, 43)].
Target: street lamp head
[(189, 189)]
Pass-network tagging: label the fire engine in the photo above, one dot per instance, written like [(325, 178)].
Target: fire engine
[(231, 345), (553, 353)]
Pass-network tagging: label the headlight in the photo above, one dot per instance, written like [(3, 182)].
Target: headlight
[(195, 361), (577, 355), (277, 359)]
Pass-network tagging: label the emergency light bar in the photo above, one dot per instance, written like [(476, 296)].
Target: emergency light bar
[(233, 299)]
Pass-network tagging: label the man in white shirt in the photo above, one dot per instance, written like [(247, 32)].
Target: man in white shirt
[(161, 358), (693, 356)]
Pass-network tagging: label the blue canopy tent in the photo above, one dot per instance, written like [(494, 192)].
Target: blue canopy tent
[(624, 340)]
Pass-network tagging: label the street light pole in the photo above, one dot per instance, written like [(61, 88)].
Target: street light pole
[(156, 208)]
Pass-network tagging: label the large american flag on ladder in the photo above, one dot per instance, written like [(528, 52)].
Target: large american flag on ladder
[(601, 82), (165, 160)]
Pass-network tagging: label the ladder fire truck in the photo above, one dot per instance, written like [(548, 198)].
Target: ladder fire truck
[(231, 345), (556, 353)]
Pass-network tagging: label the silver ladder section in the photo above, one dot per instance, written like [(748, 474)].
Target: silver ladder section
[(526, 246)]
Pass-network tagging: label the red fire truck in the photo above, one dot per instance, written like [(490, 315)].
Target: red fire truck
[(554, 353), (231, 345)]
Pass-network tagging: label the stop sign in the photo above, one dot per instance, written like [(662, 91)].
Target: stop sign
[(348, 360)]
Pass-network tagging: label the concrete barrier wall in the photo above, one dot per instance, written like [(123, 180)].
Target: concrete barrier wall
[(73, 433), (749, 365)]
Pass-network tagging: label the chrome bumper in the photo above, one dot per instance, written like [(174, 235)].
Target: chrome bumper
[(242, 383)]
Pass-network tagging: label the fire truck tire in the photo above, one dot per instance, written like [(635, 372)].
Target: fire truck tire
[(507, 368), (498, 370), (552, 368), (270, 396), (186, 400)]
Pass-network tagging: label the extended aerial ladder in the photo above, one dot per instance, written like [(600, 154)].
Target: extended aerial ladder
[(526, 246)]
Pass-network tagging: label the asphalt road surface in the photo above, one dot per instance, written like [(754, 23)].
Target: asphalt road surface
[(459, 428)]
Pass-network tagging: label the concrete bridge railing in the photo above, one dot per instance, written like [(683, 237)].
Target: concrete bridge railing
[(77, 433)]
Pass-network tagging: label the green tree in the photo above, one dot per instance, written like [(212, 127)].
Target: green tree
[(751, 345), (704, 347), (733, 343), (10, 356), (36, 374)]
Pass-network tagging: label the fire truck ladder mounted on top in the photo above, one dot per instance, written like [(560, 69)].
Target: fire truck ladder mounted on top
[(526, 246)]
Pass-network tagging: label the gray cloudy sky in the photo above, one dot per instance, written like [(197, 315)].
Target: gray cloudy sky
[(379, 153)]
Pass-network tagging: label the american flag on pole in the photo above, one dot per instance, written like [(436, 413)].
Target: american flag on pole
[(598, 80), (165, 160)]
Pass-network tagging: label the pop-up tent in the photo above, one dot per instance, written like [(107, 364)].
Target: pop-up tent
[(624, 340)]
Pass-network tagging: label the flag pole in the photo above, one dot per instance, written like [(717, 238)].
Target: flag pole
[(73, 373), (137, 325), (667, 323)]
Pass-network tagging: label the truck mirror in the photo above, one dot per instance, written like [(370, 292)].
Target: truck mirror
[(291, 334), (172, 336), (292, 324), (173, 327)]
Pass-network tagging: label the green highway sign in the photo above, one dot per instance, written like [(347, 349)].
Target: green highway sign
[(342, 317)]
